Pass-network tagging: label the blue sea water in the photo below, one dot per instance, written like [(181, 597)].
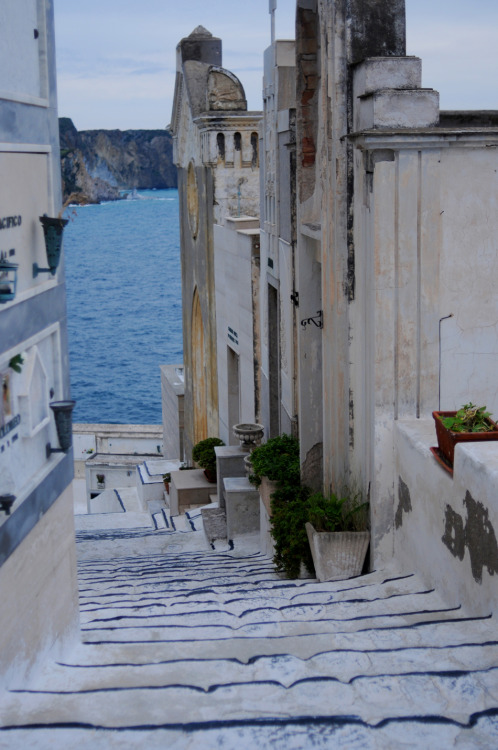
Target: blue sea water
[(124, 306)]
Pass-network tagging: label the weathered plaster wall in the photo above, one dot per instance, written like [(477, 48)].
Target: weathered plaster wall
[(446, 528), (216, 151), (385, 222), (330, 38), (423, 202), (468, 272), (278, 238), (198, 279)]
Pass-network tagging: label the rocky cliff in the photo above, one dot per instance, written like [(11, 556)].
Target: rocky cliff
[(97, 164)]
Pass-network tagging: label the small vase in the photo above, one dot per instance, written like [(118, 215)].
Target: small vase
[(63, 422)]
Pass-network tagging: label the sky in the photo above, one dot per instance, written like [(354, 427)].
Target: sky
[(116, 58)]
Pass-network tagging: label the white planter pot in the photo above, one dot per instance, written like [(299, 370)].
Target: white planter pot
[(337, 554)]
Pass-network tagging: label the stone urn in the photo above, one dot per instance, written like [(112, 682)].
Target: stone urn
[(248, 465), (249, 434)]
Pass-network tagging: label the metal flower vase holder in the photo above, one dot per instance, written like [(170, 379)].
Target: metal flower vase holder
[(53, 229), (64, 426)]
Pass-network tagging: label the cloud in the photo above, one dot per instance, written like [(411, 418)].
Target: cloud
[(108, 50)]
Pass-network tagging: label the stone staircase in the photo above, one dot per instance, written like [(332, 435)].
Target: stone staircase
[(189, 647)]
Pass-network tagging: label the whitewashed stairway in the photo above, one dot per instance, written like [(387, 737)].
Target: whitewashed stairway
[(186, 647)]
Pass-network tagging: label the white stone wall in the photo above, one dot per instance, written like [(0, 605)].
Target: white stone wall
[(429, 200), (38, 588), (23, 456), (233, 255), (23, 77), (39, 612), (468, 273), (445, 527)]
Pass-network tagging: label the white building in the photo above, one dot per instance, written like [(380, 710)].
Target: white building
[(38, 589)]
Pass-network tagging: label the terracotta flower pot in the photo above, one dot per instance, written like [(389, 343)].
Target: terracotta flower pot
[(447, 439)]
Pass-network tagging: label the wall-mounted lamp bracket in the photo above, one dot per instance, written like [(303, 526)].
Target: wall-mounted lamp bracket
[(6, 503), (317, 320), (49, 450), (37, 270)]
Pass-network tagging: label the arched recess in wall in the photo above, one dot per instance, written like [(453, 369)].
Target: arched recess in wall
[(254, 146), (199, 383), (220, 141)]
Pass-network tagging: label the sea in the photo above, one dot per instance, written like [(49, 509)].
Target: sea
[(124, 304)]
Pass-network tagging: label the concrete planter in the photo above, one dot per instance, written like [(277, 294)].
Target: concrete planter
[(266, 490), (337, 554), (447, 439)]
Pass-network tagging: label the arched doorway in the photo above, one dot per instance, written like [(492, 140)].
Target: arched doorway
[(199, 372)]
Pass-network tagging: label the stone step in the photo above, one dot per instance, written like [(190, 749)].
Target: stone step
[(243, 613), (277, 733), (453, 634), (193, 647), (453, 697), (113, 521), (285, 669)]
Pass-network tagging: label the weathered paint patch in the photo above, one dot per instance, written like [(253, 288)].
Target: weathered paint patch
[(405, 503), (477, 535), (454, 533)]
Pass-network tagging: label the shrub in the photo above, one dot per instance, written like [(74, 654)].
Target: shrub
[(277, 459), (204, 455), (289, 515)]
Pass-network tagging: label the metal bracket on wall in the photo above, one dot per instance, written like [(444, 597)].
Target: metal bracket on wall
[(295, 298), (317, 320)]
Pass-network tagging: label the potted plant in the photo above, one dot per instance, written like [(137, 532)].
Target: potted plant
[(100, 481), (337, 533), (275, 464), (203, 454), (470, 423)]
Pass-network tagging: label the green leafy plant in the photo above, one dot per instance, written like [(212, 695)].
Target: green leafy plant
[(289, 515), (336, 513), (469, 418), (100, 478), (16, 363), (277, 459), (293, 506), (204, 455), (167, 477)]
